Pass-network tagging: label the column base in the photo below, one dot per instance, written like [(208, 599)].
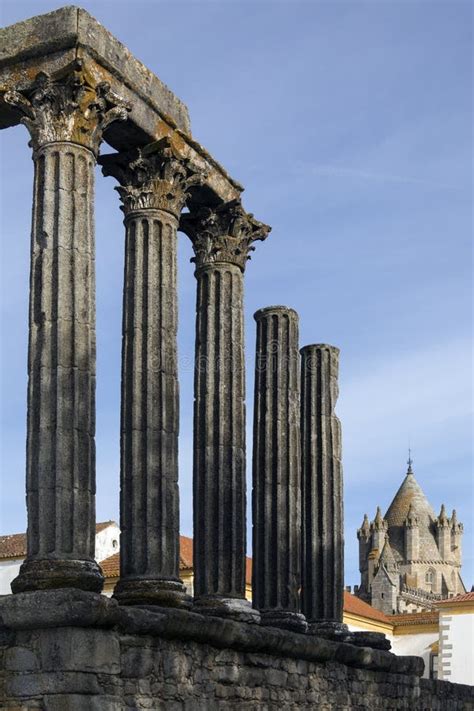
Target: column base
[(330, 629), (375, 640), (285, 620), (152, 591), (231, 607), (51, 574)]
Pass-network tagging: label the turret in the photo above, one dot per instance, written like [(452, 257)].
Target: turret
[(364, 531), (412, 535), (443, 534), (456, 536), (378, 528), (386, 582), (364, 538)]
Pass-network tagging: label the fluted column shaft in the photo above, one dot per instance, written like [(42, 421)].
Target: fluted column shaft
[(149, 498), (153, 183), (60, 480), (276, 500), (323, 536), (65, 116), (222, 239), (219, 440)]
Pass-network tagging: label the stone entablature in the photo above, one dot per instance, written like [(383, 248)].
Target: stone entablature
[(50, 43)]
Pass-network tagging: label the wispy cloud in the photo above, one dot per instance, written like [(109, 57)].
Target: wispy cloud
[(421, 395), (336, 171)]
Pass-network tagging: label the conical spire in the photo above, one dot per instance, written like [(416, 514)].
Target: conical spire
[(409, 493)]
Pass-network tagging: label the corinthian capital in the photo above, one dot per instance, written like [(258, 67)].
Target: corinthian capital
[(70, 106), (154, 177), (223, 234)]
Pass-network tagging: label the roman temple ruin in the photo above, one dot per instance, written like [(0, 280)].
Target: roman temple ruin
[(62, 645)]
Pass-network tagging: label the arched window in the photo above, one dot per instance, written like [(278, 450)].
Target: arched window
[(430, 576)]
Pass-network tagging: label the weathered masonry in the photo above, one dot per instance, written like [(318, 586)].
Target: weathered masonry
[(63, 646)]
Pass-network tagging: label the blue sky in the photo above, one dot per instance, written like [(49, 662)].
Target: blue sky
[(350, 125)]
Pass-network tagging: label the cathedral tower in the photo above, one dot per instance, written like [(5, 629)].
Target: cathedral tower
[(410, 555)]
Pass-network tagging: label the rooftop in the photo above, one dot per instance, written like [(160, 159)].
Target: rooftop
[(411, 497), (458, 599), (356, 606), (111, 566), (13, 545), (428, 617), (410, 494)]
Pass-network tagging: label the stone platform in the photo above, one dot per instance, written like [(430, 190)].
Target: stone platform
[(69, 650)]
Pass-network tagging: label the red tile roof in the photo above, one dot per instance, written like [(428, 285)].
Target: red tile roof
[(14, 545), (428, 617), (111, 566), (185, 553), (105, 524), (356, 606), (464, 597), (186, 558)]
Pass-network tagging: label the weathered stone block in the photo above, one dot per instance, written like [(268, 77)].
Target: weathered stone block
[(176, 666), (137, 662), (57, 608), (85, 650), (22, 685), (21, 659), (77, 702)]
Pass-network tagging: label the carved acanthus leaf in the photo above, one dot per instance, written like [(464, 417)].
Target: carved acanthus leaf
[(154, 177), (223, 234), (68, 107)]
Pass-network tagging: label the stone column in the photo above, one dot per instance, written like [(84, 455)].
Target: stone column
[(222, 239), (276, 500), (323, 537), (65, 116), (154, 184)]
